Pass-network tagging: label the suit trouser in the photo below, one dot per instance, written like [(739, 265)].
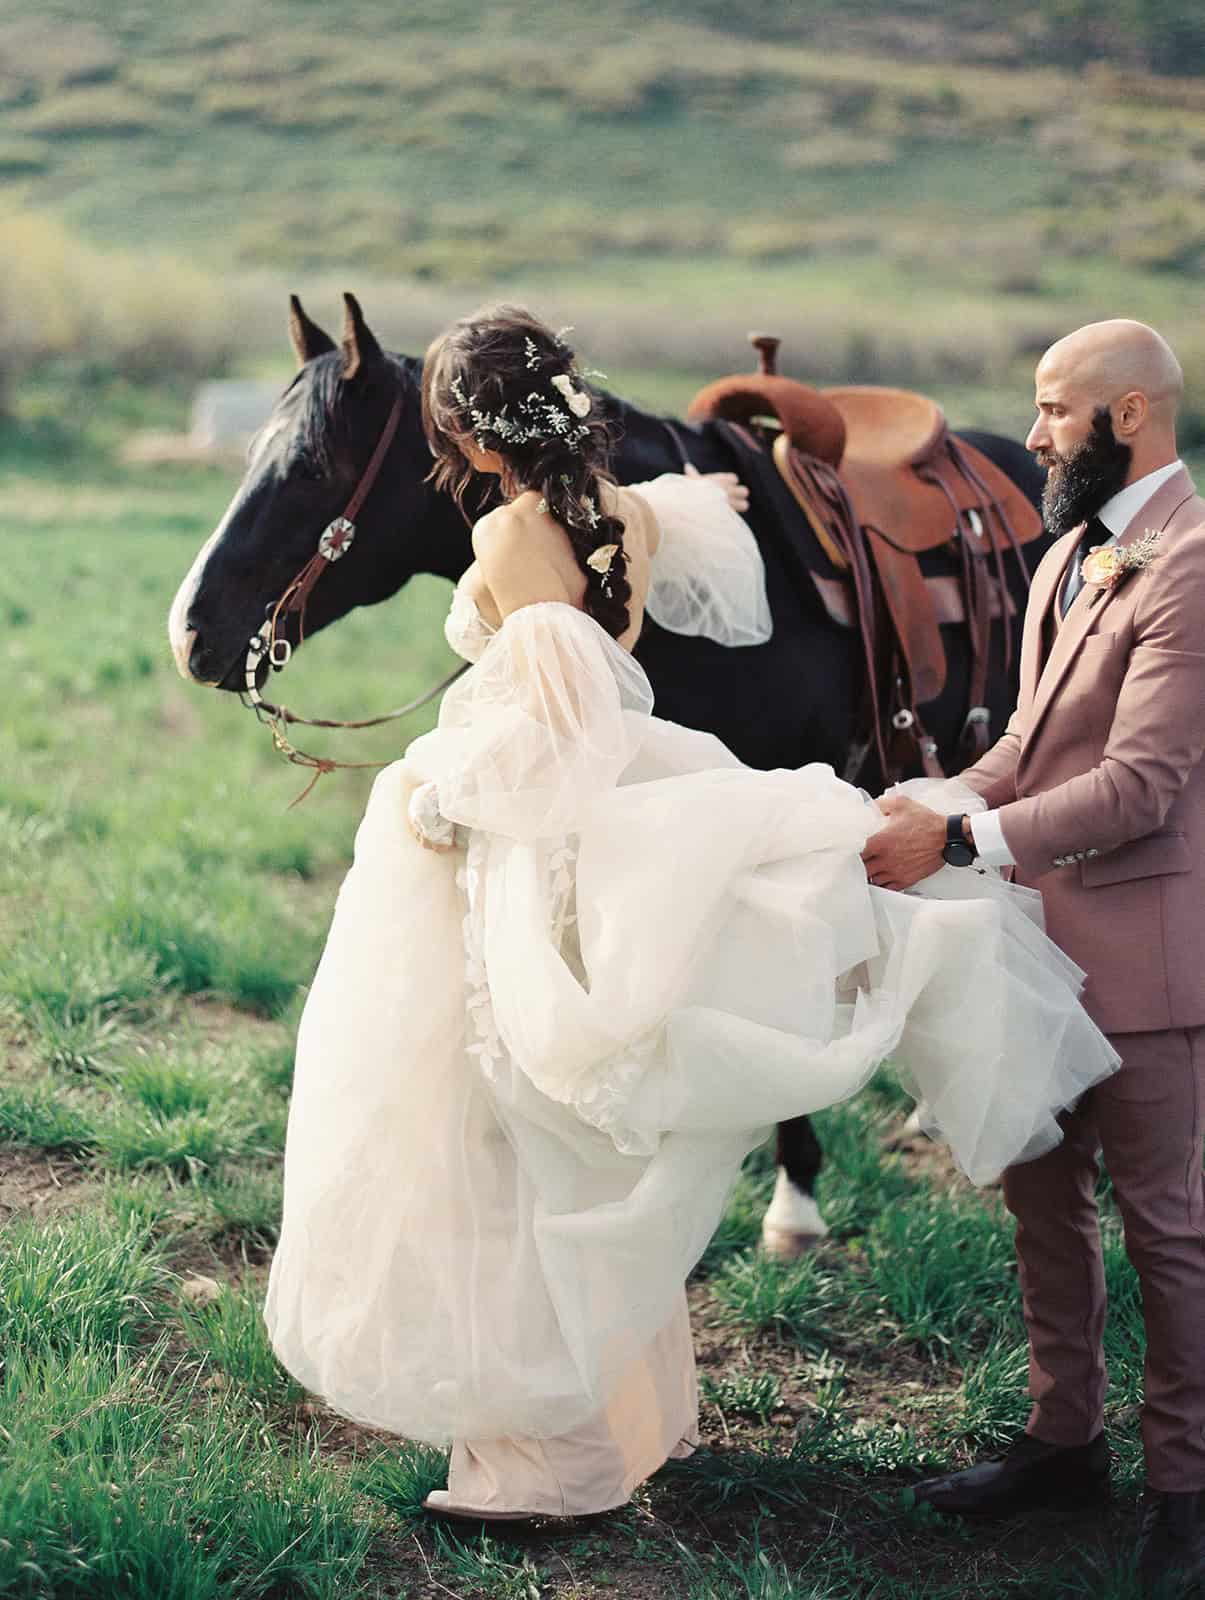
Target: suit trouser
[(1149, 1122)]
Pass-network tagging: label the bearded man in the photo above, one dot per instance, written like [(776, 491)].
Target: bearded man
[(1096, 797)]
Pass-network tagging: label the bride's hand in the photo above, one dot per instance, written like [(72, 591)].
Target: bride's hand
[(429, 844), (736, 492), (433, 831)]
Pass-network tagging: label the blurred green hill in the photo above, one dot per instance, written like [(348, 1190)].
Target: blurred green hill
[(458, 142), (929, 190)]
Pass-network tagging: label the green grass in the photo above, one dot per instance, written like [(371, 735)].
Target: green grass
[(87, 1281), (230, 1333)]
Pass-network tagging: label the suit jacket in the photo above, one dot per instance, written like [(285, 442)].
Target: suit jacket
[(1099, 775)]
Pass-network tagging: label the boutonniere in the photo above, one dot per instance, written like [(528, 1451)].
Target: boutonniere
[(1107, 566)]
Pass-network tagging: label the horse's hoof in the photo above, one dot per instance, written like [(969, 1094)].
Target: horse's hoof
[(908, 1131), (787, 1244), (792, 1224)]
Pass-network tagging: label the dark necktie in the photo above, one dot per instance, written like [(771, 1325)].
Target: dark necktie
[(1095, 533)]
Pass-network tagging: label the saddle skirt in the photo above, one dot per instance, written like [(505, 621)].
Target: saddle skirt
[(881, 481)]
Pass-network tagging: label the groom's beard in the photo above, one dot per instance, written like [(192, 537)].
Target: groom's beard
[(1079, 483)]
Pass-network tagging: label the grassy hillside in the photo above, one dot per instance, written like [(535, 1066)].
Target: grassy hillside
[(905, 195), (459, 142)]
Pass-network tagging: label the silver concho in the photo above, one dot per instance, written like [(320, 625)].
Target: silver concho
[(336, 539)]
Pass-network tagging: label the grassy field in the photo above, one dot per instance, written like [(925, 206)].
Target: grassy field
[(160, 914)]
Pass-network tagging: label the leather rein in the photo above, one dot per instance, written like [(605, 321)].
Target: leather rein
[(333, 543)]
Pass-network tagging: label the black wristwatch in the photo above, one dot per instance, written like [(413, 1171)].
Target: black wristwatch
[(957, 852)]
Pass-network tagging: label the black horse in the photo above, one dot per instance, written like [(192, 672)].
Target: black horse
[(793, 700)]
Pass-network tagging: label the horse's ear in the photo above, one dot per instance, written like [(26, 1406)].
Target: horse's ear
[(360, 348), (308, 338)]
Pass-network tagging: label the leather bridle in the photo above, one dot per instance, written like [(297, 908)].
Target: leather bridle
[(333, 543)]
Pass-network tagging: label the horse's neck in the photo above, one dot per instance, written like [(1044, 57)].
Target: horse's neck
[(442, 544)]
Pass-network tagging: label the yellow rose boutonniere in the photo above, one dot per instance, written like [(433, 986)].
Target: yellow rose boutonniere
[(1106, 566)]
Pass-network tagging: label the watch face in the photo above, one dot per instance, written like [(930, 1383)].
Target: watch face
[(958, 853)]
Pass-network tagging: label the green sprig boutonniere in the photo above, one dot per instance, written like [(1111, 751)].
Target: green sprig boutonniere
[(1107, 566)]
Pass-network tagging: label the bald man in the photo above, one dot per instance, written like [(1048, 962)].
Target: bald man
[(1095, 795)]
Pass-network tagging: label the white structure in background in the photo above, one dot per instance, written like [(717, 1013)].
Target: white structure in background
[(225, 413)]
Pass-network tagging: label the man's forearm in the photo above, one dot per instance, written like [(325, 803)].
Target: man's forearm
[(994, 775)]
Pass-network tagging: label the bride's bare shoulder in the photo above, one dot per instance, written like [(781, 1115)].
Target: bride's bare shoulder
[(501, 530)]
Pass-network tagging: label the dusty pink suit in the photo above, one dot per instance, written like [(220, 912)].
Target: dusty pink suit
[(1101, 788)]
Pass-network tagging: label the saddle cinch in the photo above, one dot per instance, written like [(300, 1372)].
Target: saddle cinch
[(881, 480)]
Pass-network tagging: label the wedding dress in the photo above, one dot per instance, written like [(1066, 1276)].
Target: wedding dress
[(528, 1070)]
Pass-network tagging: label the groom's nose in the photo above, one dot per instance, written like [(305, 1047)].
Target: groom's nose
[(1038, 437)]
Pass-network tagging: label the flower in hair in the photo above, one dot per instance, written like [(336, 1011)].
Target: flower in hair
[(600, 560), (532, 352), (577, 400)]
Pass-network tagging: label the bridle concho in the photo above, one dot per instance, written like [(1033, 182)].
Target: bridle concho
[(333, 544)]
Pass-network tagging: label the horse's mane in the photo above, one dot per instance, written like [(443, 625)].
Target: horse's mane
[(324, 420)]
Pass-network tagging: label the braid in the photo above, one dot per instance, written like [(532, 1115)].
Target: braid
[(503, 379), (577, 504)]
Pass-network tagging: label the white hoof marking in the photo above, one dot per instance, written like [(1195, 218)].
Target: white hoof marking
[(793, 1223)]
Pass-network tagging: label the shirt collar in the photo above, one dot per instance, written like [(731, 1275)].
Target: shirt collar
[(1120, 511)]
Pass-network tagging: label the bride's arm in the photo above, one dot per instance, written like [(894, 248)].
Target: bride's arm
[(517, 573), (707, 578), (533, 738), (736, 491)]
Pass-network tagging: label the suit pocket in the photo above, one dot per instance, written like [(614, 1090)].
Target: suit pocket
[(1155, 856), (1097, 644)]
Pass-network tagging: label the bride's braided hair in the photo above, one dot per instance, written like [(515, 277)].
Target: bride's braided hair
[(503, 379)]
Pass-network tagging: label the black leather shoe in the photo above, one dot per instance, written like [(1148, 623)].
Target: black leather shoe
[(1171, 1544), (1033, 1476)]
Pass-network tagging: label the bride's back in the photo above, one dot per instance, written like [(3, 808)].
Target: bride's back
[(538, 553)]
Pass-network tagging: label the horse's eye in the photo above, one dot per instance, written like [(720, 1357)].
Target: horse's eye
[(310, 471)]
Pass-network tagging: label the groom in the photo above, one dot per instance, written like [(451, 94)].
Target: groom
[(1096, 796)]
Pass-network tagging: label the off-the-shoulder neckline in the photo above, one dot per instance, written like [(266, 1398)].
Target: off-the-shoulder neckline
[(578, 611)]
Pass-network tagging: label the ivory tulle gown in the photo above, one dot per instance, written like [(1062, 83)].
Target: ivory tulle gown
[(528, 1070)]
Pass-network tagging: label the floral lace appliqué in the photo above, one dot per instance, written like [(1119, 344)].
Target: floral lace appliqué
[(601, 1096)]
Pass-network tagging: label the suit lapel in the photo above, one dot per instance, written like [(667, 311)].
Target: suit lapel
[(1089, 604), (1039, 612)]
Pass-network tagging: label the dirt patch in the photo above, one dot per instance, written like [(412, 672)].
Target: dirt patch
[(218, 1022), (36, 1184)]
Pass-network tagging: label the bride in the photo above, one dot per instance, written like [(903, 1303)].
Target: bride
[(583, 961)]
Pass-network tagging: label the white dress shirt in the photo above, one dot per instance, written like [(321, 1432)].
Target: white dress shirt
[(1116, 514)]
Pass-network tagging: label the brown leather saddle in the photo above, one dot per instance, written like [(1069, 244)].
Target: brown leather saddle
[(882, 481)]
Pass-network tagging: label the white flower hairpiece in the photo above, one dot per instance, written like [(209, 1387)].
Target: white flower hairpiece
[(600, 560), (577, 400)]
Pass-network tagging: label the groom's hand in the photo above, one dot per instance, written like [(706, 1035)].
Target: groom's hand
[(908, 848)]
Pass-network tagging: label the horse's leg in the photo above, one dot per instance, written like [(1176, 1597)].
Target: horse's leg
[(793, 1223)]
